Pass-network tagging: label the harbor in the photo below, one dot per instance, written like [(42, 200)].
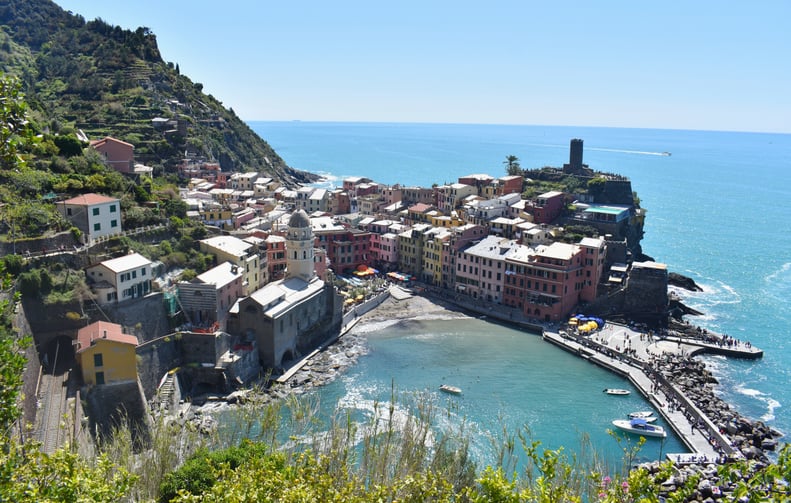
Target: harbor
[(651, 361), (636, 356)]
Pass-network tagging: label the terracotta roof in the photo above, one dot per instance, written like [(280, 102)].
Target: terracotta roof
[(90, 199), (420, 208), (95, 143), (102, 330)]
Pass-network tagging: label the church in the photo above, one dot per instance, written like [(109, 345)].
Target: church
[(290, 317)]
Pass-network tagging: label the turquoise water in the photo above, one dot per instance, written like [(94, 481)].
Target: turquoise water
[(718, 211)]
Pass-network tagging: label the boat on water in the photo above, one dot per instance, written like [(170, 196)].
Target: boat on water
[(447, 388), (616, 391), (666, 154), (643, 414), (640, 427)]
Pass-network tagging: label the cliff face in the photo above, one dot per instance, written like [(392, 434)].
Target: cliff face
[(107, 81)]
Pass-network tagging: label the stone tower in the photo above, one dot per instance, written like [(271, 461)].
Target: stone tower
[(299, 247)]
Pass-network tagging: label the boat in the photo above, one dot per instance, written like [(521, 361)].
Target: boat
[(616, 391), (447, 388), (640, 427), (643, 414), (666, 154)]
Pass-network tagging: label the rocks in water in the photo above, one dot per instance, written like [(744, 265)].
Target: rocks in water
[(684, 282)]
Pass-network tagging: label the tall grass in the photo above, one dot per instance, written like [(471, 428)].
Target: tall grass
[(397, 441)]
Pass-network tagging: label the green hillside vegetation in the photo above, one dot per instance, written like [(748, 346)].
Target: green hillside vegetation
[(277, 451), (107, 81)]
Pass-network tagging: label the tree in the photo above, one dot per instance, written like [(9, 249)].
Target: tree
[(512, 165), (15, 131)]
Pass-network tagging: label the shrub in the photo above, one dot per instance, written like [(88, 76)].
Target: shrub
[(13, 264), (196, 476)]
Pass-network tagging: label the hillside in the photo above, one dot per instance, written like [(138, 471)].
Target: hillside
[(108, 81)]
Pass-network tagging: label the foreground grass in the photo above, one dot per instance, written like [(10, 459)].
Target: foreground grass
[(280, 452)]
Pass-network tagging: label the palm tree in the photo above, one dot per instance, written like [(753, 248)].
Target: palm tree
[(512, 165)]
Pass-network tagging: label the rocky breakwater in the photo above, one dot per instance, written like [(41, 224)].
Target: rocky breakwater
[(753, 439)]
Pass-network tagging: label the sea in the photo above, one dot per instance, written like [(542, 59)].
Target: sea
[(718, 210)]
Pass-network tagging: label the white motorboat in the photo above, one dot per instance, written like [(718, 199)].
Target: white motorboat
[(616, 391), (447, 388), (643, 414), (640, 427)]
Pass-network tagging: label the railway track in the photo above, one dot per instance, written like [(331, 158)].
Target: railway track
[(52, 406)]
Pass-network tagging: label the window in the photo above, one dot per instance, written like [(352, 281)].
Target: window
[(68, 211), (97, 227), (100, 378), (97, 360), (113, 223), (143, 271), (112, 208), (95, 211)]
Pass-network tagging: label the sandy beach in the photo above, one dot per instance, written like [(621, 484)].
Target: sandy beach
[(403, 306)]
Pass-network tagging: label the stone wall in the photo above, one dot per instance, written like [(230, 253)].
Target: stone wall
[(146, 317), (116, 404), (182, 349), (154, 359), (32, 370)]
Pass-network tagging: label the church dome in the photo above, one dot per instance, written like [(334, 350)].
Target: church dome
[(299, 220)]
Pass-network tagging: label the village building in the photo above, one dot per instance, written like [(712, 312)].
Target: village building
[(480, 268), (208, 297), (243, 255), (120, 279), (93, 214), (105, 354), (117, 154)]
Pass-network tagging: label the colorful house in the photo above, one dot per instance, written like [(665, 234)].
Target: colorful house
[(105, 354), (117, 154), (95, 215)]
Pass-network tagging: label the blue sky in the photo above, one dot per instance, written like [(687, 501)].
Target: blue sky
[(673, 64)]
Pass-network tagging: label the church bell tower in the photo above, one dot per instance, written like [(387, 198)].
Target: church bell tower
[(299, 247)]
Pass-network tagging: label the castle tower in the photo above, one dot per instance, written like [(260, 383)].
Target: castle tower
[(299, 247), (575, 154)]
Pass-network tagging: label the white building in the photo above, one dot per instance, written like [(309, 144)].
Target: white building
[(95, 215), (120, 279)]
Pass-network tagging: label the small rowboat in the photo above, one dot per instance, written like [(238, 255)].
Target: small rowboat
[(447, 388), (643, 414), (616, 391)]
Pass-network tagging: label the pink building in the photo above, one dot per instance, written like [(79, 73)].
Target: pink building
[(547, 207), (384, 251), (511, 184), (117, 154), (548, 282), (460, 238), (276, 256), (480, 268)]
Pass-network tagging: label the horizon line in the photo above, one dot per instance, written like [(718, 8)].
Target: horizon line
[(439, 123)]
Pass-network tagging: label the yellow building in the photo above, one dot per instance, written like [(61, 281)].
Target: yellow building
[(432, 255), (106, 354)]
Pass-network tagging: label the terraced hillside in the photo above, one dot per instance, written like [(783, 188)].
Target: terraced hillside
[(108, 81)]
